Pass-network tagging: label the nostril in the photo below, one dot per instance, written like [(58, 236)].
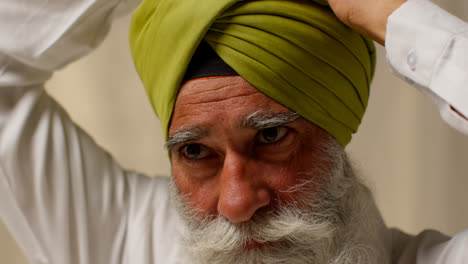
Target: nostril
[(241, 206), (241, 191)]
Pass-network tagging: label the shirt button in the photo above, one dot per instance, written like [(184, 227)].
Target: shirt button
[(412, 60)]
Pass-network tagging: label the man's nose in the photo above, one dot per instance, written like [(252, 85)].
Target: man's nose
[(241, 192)]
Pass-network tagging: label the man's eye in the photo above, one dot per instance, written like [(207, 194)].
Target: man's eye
[(195, 151), (271, 135)]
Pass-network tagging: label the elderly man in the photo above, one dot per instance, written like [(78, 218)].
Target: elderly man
[(254, 134), (257, 100)]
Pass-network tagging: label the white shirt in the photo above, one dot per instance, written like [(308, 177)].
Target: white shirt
[(428, 47), (65, 200)]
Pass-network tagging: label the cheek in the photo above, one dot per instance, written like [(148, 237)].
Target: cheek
[(289, 184), (200, 197), (306, 172)]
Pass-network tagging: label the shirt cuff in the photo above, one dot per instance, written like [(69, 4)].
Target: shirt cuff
[(428, 47)]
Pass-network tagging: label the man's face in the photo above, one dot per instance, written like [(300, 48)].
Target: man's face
[(256, 183), (235, 151)]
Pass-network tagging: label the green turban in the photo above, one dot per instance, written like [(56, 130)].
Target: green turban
[(296, 52)]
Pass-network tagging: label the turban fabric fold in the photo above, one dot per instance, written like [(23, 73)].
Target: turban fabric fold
[(296, 52)]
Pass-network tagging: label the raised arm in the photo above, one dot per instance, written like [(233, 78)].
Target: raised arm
[(426, 46), (368, 17), (62, 197)]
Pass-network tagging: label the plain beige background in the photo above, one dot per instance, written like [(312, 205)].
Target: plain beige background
[(416, 165)]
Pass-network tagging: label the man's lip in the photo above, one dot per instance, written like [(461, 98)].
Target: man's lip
[(251, 244)]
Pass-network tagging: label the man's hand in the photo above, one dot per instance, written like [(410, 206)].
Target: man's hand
[(368, 17)]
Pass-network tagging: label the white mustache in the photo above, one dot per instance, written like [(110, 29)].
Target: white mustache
[(289, 226)]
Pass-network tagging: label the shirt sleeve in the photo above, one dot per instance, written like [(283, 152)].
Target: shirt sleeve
[(63, 198), (428, 47)]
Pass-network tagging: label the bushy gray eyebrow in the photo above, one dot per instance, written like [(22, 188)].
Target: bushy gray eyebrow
[(256, 120), (182, 136), (260, 120)]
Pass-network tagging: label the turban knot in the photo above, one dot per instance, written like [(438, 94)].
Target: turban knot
[(296, 52)]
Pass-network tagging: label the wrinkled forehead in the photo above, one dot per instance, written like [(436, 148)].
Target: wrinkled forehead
[(227, 108), (221, 98), (213, 90)]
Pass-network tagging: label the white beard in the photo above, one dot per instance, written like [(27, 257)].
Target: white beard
[(340, 224)]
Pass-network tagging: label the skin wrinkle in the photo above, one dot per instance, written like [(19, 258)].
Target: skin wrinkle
[(220, 100), (201, 95), (201, 84)]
